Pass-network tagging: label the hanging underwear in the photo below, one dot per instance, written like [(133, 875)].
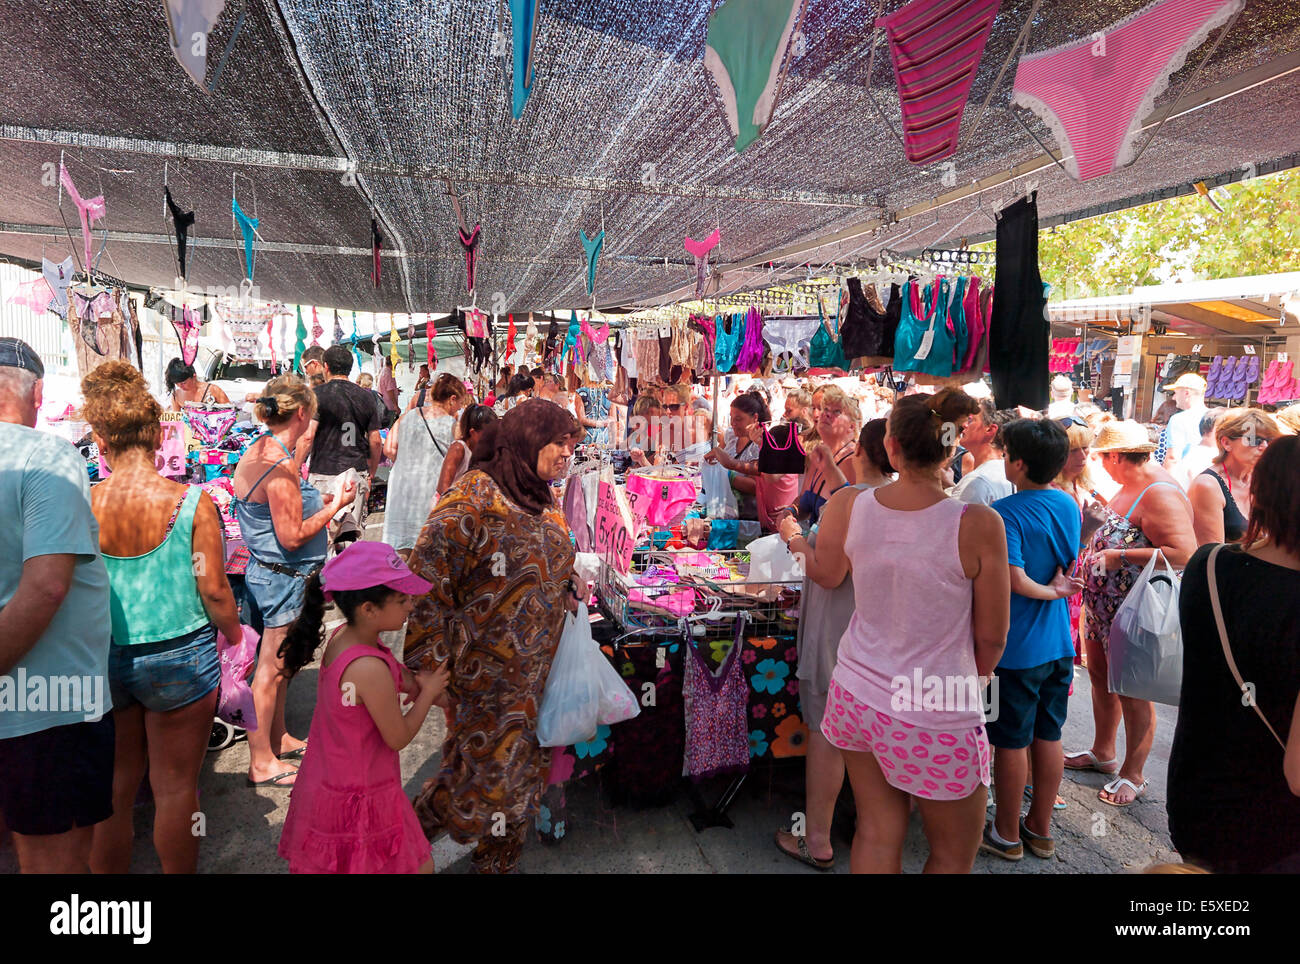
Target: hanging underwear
[(338, 328), (90, 210), (782, 451), (571, 336), (182, 223), (936, 46), (210, 425), (187, 333), (316, 329), (477, 324), (35, 294), (552, 339), (248, 228), (1096, 102), (592, 246), (599, 355), (700, 251), (430, 332), (661, 502), (750, 358), (58, 277), (747, 40), (376, 242), (523, 20), (470, 243), (791, 336)]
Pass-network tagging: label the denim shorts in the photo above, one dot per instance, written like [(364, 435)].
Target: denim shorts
[(278, 595), (165, 675)]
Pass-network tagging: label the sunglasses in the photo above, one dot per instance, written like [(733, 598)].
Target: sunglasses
[(1259, 441), (1071, 420), (674, 408)]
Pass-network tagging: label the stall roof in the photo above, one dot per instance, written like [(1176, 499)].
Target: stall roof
[(1253, 306), (624, 130)]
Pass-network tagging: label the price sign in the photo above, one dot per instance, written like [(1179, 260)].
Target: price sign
[(169, 460), (614, 539)]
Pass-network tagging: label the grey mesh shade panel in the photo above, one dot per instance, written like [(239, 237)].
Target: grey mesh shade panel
[(619, 86)]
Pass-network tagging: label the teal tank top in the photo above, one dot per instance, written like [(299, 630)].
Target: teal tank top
[(155, 596)]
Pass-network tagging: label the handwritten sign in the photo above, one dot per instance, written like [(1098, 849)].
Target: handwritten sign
[(613, 536), (169, 459)]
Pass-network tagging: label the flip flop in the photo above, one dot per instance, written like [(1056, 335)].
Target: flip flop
[(1113, 787), (293, 754), (1108, 767), (804, 856), (276, 782), (1060, 803)]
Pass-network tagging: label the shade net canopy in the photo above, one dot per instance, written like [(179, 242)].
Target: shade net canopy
[(328, 114)]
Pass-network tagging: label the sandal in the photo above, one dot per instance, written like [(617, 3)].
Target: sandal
[(1113, 788), (1060, 803), (804, 856), (276, 782), (1090, 762), (293, 754)]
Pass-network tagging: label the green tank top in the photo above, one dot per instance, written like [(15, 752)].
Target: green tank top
[(155, 596)]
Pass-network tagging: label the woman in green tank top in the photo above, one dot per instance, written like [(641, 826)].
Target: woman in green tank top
[(162, 545)]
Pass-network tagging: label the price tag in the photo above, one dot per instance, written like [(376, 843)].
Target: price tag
[(927, 340), (661, 657), (1196, 349), (169, 459), (613, 537), (1250, 349)]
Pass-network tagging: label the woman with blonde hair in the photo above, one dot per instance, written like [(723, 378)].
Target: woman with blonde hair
[(283, 520), (1220, 495), (837, 428), (1289, 419), (162, 545)]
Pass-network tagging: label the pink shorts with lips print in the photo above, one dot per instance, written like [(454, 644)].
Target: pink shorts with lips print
[(934, 764)]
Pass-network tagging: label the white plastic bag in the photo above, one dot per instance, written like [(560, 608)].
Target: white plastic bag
[(617, 702), (571, 699), (1145, 659), (770, 560), (719, 497)]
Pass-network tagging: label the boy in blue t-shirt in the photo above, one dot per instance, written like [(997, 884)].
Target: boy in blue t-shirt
[(1037, 666)]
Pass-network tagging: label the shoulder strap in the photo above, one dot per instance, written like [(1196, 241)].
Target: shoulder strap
[(262, 477), (441, 450), (1223, 639), (1144, 492)]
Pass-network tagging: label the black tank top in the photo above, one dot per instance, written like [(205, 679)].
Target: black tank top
[(1234, 523)]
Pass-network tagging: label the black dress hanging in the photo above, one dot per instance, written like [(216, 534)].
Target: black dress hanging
[(1019, 333)]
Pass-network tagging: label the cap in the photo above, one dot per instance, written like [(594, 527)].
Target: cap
[(1188, 380), (1062, 384), (1123, 436), (364, 565), (16, 353)]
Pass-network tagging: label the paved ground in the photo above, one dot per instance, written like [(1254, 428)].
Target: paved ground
[(243, 824)]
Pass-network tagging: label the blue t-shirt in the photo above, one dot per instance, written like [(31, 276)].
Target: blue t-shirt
[(1042, 536), (45, 510)]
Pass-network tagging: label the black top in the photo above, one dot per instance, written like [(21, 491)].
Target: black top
[(781, 452), (1234, 523), (869, 328), (1229, 804), (345, 417)]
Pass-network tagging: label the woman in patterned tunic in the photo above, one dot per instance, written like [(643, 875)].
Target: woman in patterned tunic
[(498, 553), (1149, 512)]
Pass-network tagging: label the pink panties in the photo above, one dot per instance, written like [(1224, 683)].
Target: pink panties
[(661, 502)]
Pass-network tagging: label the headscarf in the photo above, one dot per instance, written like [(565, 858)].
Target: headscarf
[(508, 450)]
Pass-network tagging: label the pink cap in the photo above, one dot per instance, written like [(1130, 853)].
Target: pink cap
[(364, 565)]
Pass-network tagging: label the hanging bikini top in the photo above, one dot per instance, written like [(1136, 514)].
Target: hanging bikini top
[(782, 451), (825, 350), (864, 332), (731, 331)]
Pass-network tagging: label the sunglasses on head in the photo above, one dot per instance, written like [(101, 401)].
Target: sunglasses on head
[(1071, 420)]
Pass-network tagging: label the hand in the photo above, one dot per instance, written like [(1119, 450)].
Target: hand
[(638, 456), (788, 527), (1111, 558), (580, 593), (349, 494), (410, 686), (1064, 585), (716, 455), (326, 498), (433, 681), (755, 432)]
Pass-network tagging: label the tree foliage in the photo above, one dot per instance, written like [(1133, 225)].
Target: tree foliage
[(1180, 239)]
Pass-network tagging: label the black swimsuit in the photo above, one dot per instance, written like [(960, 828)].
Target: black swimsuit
[(1234, 523)]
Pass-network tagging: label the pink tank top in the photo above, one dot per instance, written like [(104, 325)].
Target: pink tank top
[(909, 650)]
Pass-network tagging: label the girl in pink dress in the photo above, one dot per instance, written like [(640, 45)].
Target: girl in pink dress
[(348, 813)]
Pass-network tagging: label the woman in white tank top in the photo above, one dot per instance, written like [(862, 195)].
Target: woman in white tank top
[(932, 609)]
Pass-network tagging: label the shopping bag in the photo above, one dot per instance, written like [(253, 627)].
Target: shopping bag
[(719, 497), (235, 695), (571, 699), (1146, 640), (770, 560), (617, 702)]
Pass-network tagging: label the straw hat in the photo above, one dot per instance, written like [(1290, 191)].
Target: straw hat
[(1188, 380), (1123, 436)]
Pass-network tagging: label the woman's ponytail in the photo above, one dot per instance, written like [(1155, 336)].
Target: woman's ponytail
[(307, 632)]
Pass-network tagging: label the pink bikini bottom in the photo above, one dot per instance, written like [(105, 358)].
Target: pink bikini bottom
[(661, 502)]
